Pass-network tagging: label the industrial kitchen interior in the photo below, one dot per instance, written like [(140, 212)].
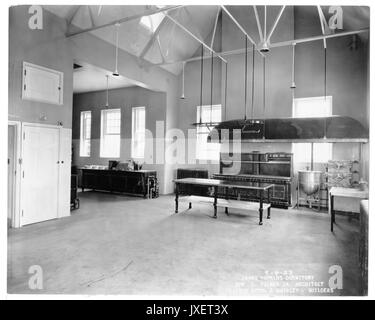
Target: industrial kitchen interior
[(188, 150)]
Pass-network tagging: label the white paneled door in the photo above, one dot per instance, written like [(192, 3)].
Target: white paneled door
[(40, 174)]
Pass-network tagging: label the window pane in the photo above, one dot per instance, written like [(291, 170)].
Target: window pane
[(312, 107), (138, 131), (205, 150), (110, 133), (85, 134)]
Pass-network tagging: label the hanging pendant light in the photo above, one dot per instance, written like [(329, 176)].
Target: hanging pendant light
[(107, 95), (116, 73), (201, 97), (212, 83), (252, 84), (293, 85), (245, 100), (183, 81)]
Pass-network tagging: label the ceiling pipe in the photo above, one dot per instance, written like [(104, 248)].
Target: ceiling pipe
[(126, 19), (272, 45), (275, 24), (258, 23), (322, 19), (214, 31), (264, 46)]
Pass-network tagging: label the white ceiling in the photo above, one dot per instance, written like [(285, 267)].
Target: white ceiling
[(91, 78)]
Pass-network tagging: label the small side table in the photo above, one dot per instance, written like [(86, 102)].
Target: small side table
[(342, 192)]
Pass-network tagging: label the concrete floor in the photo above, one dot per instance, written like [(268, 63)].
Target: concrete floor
[(124, 245)]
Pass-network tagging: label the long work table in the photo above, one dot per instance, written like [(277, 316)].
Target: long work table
[(263, 188)]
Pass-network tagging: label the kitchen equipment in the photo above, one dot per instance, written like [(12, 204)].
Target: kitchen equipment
[(309, 183)]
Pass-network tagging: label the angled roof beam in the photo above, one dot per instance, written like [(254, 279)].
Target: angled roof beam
[(153, 38), (214, 31), (126, 19), (275, 23), (258, 23), (241, 28), (322, 24), (195, 37)]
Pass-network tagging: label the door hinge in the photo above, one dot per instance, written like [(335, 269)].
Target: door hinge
[(25, 72), (20, 160), (24, 136), (22, 213), (24, 87), (23, 174)]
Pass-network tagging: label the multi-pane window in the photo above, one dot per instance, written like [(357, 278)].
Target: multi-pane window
[(110, 137), (205, 150), (138, 131), (85, 135), (312, 107)]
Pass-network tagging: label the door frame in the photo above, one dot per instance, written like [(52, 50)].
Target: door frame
[(23, 125), (16, 223)]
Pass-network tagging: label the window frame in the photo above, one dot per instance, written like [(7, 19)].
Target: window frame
[(103, 132), (315, 145), (134, 131), (206, 155), (83, 130)]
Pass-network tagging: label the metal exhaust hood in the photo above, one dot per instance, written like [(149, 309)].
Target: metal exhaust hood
[(318, 130)]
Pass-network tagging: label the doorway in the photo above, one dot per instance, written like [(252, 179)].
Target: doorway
[(11, 172), (40, 173)]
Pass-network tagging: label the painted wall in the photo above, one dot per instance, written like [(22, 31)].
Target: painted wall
[(48, 48), (125, 99), (91, 49)]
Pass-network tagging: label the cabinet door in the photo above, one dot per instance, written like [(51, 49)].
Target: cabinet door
[(64, 172), (42, 84)]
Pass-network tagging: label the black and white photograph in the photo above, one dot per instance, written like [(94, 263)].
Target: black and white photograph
[(187, 150)]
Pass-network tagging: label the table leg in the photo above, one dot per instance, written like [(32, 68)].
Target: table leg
[(226, 198), (215, 202), (331, 206), (269, 202), (261, 208), (176, 199)]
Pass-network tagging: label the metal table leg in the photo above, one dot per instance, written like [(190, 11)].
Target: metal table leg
[(269, 202), (215, 202), (176, 199), (332, 211), (261, 208)]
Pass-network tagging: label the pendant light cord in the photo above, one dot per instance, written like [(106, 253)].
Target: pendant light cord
[(325, 73), (225, 91), (201, 97), (264, 87), (245, 76), (212, 82), (107, 103), (252, 84)]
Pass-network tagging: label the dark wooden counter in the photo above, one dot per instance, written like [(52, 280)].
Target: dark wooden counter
[(131, 182)]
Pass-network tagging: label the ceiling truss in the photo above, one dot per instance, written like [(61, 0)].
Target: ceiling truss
[(262, 33)]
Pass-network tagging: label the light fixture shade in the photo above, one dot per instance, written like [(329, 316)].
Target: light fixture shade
[(264, 47)]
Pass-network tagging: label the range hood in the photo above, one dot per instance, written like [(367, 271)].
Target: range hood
[(318, 130)]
